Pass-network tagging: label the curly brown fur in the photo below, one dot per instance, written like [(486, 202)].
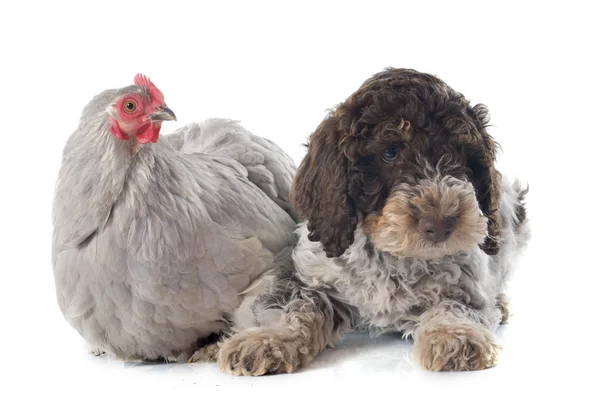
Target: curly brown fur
[(320, 195), (312, 320), (447, 341), (409, 227), (343, 177), (396, 230)]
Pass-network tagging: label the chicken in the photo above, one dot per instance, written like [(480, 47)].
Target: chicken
[(156, 239)]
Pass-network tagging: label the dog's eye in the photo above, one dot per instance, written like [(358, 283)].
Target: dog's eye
[(390, 154)]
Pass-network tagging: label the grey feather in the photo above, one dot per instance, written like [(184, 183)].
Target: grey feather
[(153, 249), (267, 166)]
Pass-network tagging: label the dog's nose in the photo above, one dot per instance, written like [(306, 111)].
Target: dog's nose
[(437, 230)]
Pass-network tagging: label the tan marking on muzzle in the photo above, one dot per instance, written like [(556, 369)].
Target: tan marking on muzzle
[(397, 231)]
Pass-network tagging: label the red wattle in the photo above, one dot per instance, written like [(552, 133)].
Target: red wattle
[(156, 128), (148, 134), (117, 132)]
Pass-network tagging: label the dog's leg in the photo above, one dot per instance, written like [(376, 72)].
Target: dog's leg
[(311, 321), (453, 337)]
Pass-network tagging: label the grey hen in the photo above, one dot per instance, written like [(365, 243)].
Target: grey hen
[(157, 240)]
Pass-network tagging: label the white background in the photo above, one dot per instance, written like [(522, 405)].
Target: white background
[(277, 67)]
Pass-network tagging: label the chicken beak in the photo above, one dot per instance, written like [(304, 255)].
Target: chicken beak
[(165, 114)]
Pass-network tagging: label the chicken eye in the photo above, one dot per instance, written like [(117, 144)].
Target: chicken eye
[(390, 154), (129, 106)]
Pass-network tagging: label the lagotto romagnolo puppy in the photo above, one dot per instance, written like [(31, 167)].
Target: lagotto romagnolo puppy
[(409, 227)]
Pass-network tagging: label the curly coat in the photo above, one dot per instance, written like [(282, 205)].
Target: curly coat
[(400, 158), (338, 180)]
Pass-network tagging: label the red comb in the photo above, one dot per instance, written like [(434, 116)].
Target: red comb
[(143, 81)]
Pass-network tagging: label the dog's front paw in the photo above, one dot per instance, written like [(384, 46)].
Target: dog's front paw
[(260, 351), (456, 347)]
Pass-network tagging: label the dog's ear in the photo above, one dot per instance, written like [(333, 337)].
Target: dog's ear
[(319, 190), (486, 179)]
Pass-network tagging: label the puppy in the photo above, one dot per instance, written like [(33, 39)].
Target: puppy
[(408, 227)]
